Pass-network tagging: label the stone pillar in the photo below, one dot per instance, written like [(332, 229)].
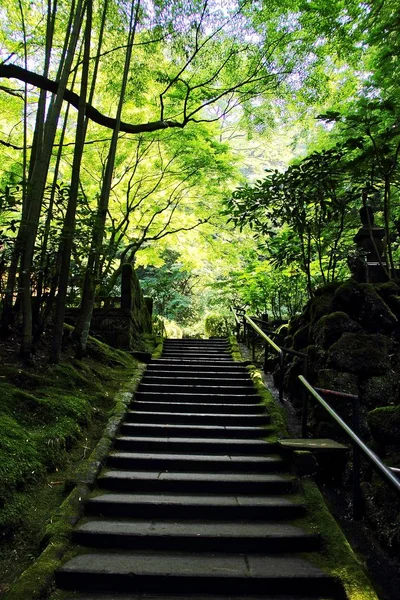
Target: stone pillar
[(149, 305), (126, 287), (371, 244)]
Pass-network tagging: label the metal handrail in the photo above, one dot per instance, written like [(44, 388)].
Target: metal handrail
[(262, 334), (383, 470), (275, 346), (268, 342)]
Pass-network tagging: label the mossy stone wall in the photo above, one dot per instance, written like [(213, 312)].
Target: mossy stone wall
[(351, 334), (128, 327)]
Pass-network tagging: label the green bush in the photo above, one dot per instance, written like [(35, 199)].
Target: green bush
[(218, 326)]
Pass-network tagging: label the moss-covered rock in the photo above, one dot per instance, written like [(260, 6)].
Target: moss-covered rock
[(288, 341), (380, 390), (329, 328), (383, 509), (320, 306), (362, 303), (316, 359), (291, 379), (384, 423), (360, 353), (332, 379), (295, 323), (387, 289), (393, 303), (301, 338)]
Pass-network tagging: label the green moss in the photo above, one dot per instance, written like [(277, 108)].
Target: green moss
[(360, 353), (385, 424), (37, 578), (336, 557), (321, 305), (295, 323), (379, 391), (301, 338), (276, 413), (328, 329), (383, 509), (362, 303), (387, 289), (234, 349), (45, 414), (331, 379)]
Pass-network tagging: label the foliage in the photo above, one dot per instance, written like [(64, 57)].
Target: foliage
[(218, 326), (301, 216)]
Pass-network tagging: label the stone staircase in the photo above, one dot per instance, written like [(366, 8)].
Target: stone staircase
[(195, 502)]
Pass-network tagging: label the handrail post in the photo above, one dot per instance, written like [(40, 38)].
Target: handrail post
[(244, 329), (304, 414), (266, 355), (238, 330), (382, 469), (281, 375), (358, 505), (248, 335)]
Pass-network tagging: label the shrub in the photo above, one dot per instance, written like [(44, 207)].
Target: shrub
[(218, 326)]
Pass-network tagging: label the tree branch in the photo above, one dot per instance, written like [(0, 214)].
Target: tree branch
[(13, 71)]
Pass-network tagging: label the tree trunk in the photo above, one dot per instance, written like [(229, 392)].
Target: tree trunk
[(70, 217), (7, 314), (387, 216), (82, 327), (37, 186)]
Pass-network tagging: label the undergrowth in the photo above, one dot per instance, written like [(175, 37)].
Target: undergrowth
[(50, 416)]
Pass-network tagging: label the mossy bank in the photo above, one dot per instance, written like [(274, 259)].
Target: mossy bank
[(51, 417)]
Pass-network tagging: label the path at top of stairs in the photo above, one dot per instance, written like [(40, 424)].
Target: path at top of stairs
[(195, 500)]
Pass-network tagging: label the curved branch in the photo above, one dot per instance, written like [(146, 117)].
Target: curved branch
[(13, 71)]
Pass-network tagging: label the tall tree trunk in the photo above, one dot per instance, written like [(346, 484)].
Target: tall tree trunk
[(70, 217), (43, 254), (82, 327), (38, 182), (387, 216), (7, 314)]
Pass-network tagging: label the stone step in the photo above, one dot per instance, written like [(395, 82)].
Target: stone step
[(316, 445), (196, 342), (197, 418), (231, 483), (183, 506), (198, 397), (209, 350), (200, 341), (198, 446), (197, 362), (177, 572), (196, 536), (197, 407), (121, 596), (198, 431), (196, 462), (241, 377), (193, 380), (172, 367), (195, 388)]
